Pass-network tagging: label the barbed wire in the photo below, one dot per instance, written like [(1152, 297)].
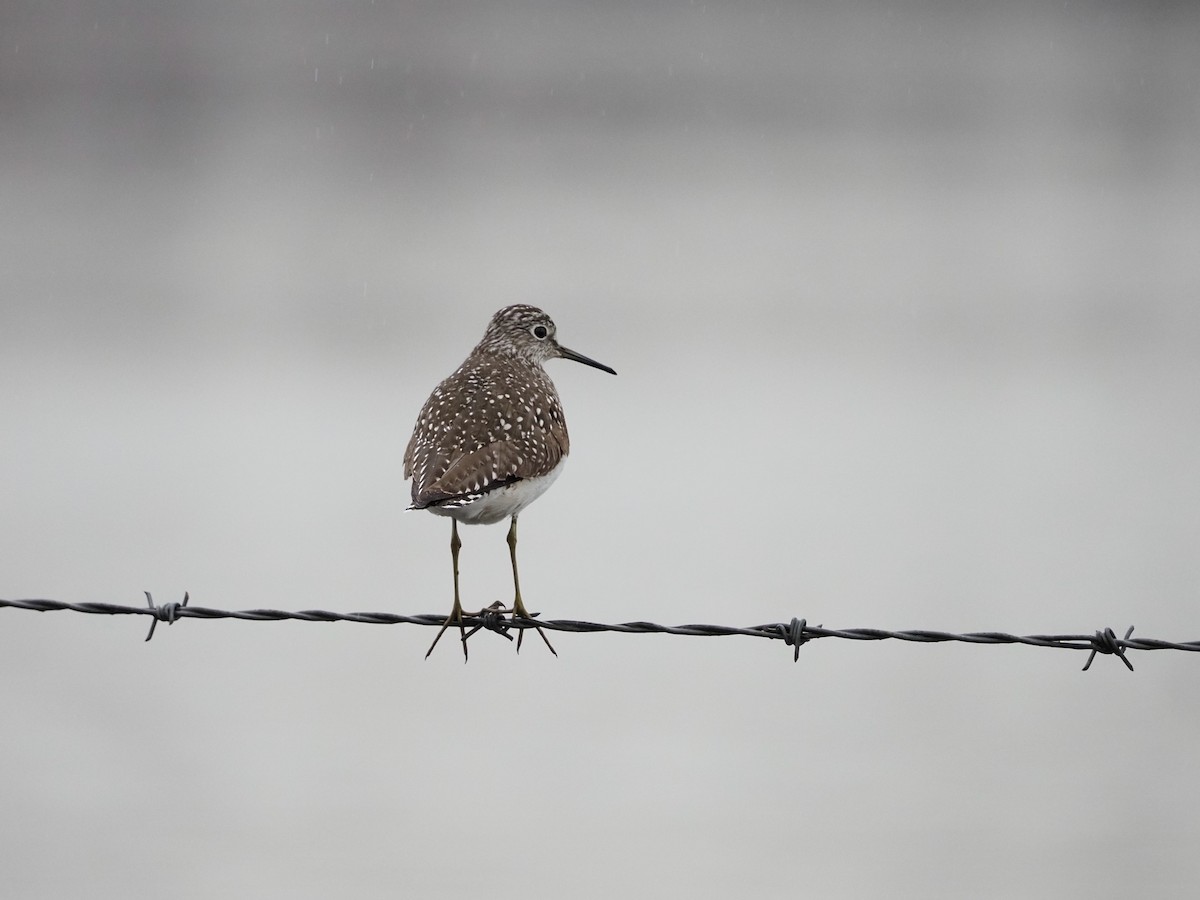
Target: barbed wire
[(794, 634)]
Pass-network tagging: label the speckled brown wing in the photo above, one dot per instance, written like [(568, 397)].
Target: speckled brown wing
[(493, 422)]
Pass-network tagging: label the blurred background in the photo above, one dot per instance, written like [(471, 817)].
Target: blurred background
[(903, 298)]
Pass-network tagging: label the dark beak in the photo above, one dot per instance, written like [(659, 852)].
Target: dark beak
[(587, 361)]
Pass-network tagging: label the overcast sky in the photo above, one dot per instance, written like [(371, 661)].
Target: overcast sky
[(903, 298)]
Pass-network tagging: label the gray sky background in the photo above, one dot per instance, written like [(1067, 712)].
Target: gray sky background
[(903, 298)]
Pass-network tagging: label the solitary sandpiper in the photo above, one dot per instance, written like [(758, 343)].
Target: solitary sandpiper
[(491, 438)]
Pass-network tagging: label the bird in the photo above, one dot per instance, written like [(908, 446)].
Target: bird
[(492, 438)]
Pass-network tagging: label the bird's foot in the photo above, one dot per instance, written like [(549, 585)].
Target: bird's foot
[(518, 610), (456, 615), (490, 617)]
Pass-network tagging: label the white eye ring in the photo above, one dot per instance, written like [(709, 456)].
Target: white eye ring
[(541, 332)]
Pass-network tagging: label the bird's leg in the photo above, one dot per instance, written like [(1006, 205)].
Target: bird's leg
[(456, 614), (519, 605)]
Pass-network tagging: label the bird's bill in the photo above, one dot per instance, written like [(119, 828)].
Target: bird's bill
[(587, 361)]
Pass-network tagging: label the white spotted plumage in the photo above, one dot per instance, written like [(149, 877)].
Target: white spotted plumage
[(492, 437)]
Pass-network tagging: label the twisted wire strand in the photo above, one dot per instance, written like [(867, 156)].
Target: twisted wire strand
[(794, 634)]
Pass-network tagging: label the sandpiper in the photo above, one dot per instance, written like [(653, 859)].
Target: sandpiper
[(491, 439)]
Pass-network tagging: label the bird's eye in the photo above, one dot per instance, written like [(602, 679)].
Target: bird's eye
[(539, 332)]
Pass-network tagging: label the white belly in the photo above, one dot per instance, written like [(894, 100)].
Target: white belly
[(503, 502)]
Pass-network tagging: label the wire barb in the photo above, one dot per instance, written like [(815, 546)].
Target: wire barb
[(1106, 642), (793, 636), (168, 612), (492, 618)]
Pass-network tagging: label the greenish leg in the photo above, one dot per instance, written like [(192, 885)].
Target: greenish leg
[(456, 614), (518, 608)]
